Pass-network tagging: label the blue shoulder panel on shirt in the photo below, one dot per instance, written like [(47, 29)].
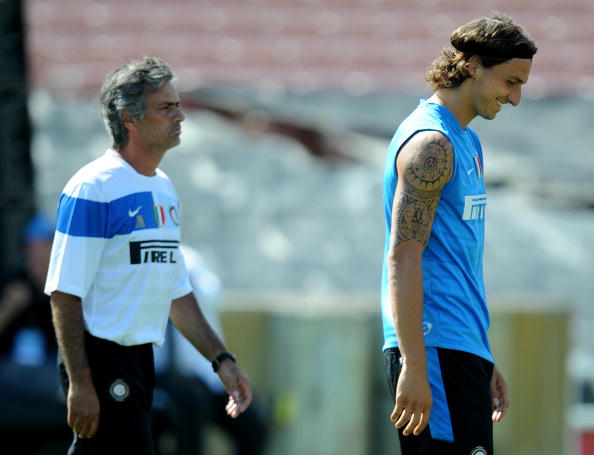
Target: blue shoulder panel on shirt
[(131, 213), (81, 217), (84, 218)]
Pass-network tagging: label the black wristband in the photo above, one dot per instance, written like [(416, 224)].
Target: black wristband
[(216, 363)]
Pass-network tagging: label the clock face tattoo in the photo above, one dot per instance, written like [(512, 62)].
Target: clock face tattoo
[(430, 169), (427, 171)]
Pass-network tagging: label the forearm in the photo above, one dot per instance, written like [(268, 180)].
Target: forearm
[(406, 288), (189, 320), (187, 317), (70, 333)]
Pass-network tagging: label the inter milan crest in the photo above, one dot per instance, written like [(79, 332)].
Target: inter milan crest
[(173, 215), (119, 390)]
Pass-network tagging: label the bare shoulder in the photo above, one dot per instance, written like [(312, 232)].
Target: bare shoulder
[(425, 164)]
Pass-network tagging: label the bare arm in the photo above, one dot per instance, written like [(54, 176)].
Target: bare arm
[(82, 401), (189, 320), (424, 166)]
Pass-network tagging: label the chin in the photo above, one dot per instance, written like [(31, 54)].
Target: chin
[(489, 116)]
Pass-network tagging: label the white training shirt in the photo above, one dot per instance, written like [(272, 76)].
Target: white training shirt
[(116, 247)]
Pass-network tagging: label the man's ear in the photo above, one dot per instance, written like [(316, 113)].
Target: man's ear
[(473, 64), (128, 121)]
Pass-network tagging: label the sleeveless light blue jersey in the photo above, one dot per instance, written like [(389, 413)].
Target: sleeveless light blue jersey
[(455, 309)]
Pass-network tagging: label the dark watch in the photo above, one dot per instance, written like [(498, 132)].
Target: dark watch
[(216, 363)]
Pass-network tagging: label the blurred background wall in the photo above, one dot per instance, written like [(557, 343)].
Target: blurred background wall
[(290, 106)]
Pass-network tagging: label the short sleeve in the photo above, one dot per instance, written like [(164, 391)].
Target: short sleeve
[(79, 241)]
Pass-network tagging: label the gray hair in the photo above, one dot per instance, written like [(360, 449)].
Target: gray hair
[(125, 89)]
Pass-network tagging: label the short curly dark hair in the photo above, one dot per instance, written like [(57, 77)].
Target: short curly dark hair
[(495, 39)]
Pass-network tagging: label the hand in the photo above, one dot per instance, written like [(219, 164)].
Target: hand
[(237, 385), (83, 410), (16, 296), (499, 395), (413, 402)]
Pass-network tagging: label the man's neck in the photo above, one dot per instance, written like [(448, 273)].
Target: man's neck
[(457, 102), (143, 162)]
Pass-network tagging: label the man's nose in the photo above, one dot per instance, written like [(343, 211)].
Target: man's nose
[(515, 96)]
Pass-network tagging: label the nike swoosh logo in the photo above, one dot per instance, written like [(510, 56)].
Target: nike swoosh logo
[(469, 171), (135, 212)]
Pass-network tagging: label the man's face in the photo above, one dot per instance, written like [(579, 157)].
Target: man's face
[(498, 85), (160, 128)]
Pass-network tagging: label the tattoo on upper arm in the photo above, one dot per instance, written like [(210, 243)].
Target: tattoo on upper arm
[(426, 172)]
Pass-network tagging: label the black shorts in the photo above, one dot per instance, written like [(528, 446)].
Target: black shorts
[(124, 378), (460, 421)]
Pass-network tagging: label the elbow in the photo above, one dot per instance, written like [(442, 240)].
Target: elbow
[(404, 256)]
